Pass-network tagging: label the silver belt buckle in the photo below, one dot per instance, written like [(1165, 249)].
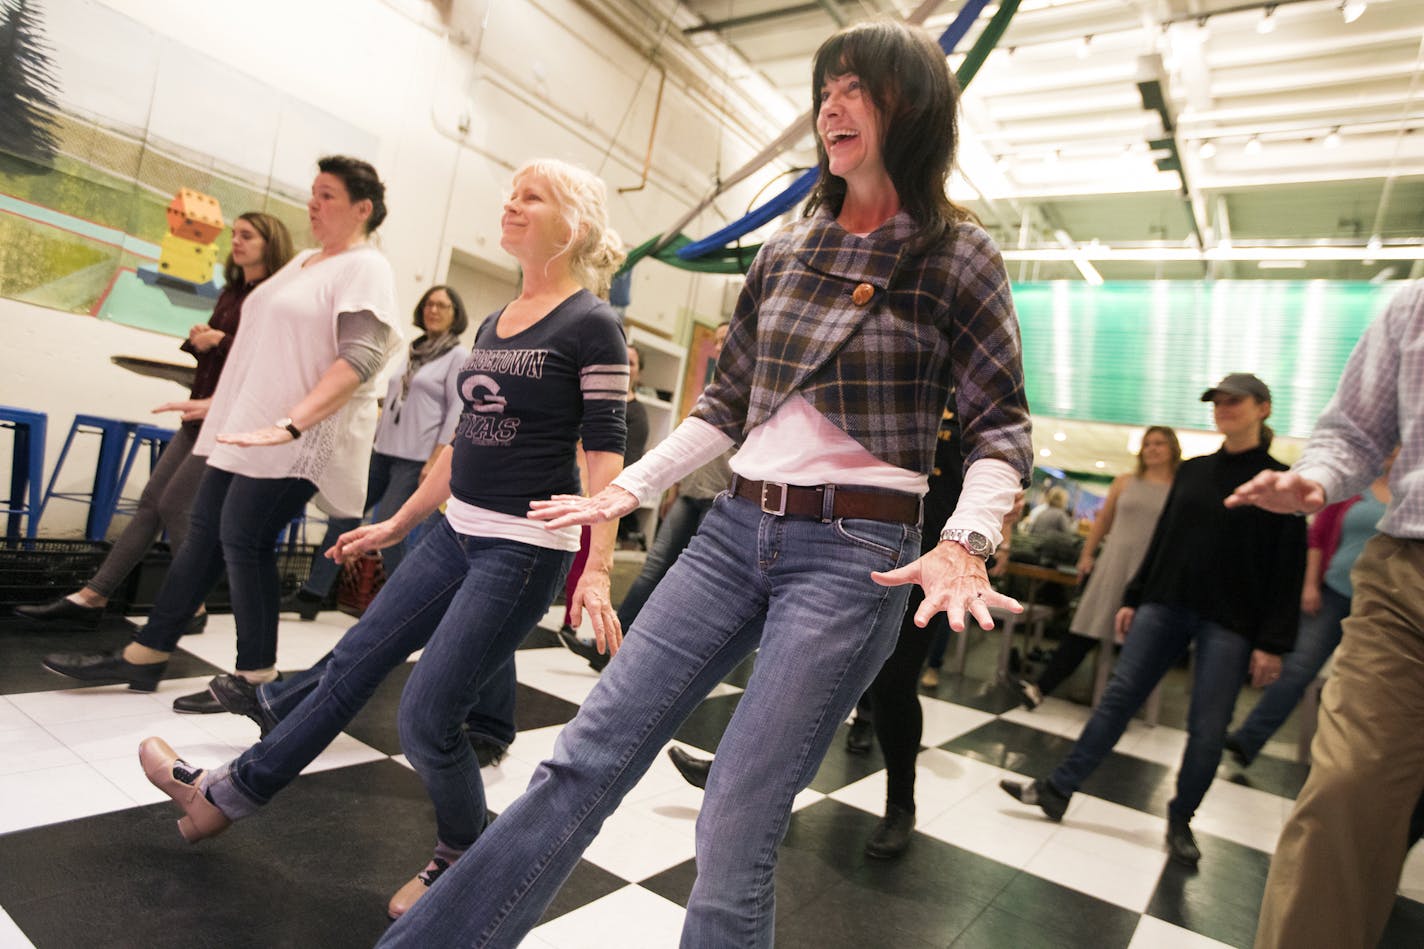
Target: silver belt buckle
[(766, 507)]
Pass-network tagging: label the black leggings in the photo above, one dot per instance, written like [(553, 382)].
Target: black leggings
[(895, 701), (1072, 650)]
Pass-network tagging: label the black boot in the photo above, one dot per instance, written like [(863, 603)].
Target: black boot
[(1181, 844), (861, 737), (892, 835), (596, 660), (1041, 794), (307, 605), (693, 770), (63, 611), (106, 667)]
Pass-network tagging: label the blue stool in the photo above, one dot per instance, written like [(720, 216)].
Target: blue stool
[(156, 439), (26, 468), (114, 438)]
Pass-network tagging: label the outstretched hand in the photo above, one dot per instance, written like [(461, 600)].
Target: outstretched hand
[(1281, 492), (194, 410), (364, 539), (955, 581), (262, 437), (568, 510)]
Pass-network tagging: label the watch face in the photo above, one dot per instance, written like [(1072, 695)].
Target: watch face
[(977, 543)]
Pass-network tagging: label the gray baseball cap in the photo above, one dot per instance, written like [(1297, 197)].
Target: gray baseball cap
[(1240, 384)]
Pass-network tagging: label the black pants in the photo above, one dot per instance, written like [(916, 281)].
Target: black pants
[(1072, 650)]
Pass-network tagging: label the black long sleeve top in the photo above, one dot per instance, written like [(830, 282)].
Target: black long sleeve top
[(1239, 567)]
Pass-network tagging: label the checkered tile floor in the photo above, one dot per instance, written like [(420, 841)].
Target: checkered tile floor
[(89, 854)]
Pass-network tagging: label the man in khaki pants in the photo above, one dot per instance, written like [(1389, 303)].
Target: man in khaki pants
[(1337, 865)]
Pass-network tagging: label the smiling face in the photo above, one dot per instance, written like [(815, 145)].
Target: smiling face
[(1156, 450), (248, 244), (848, 125), (1238, 415), (335, 218), (532, 227), (438, 313)]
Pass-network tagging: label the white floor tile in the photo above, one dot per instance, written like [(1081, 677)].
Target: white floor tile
[(1411, 881), (1105, 850), (32, 749), (945, 721), (1055, 716), (299, 644), (1153, 933), (109, 738), (630, 918), (57, 794), (12, 717), (637, 842), (942, 779), (82, 705), (994, 825), (1245, 815), (10, 935)]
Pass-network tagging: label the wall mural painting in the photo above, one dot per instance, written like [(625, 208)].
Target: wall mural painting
[(125, 153)]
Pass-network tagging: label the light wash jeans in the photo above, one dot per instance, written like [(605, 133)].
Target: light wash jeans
[(828, 629), (468, 602), (1315, 640), (1159, 635)]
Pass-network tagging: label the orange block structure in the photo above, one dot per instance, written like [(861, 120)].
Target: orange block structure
[(195, 216)]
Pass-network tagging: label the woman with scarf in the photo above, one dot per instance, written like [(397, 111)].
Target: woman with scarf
[(418, 419)]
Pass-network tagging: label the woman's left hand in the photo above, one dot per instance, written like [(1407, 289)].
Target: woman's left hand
[(592, 593), (1265, 668), (271, 435), (568, 510), (954, 580)]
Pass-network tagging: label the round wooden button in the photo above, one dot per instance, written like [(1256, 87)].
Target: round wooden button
[(862, 294)]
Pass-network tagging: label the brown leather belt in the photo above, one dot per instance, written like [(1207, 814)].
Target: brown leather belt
[(826, 501)]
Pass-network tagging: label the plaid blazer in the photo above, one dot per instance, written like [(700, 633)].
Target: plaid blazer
[(874, 338)]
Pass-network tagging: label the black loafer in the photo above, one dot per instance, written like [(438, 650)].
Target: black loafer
[(693, 770), (199, 703), (106, 667), (302, 603), (1040, 794), (892, 835), (596, 660), (63, 611), (196, 624), (861, 737), (487, 751), (235, 694), (1181, 843)]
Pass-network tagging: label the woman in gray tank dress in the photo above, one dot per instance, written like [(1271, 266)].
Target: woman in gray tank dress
[(1130, 513)]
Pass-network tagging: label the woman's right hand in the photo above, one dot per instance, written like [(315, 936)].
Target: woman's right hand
[(567, 510), (203, 337), (1085, 563), (1122, 622), (365, 539), (194, 410), (1310, 600)]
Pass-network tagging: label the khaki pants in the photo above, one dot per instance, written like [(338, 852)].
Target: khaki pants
[(1336, 868)]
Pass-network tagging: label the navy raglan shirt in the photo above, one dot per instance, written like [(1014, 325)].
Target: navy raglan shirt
[(531, 397)]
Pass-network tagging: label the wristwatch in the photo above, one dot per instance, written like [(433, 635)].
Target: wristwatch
[(287, 424), (972, 541)]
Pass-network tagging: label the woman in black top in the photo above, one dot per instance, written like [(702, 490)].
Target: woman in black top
[(1226, 580)]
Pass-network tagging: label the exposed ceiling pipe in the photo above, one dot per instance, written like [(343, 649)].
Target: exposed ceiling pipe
[(1383, 205), (652, 134)]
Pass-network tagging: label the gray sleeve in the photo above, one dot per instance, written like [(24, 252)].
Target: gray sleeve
[(361, 340)]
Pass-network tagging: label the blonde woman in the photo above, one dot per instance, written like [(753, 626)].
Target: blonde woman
[(545, 372)]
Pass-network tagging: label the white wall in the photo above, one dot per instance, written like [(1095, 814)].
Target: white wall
[(543, 77)]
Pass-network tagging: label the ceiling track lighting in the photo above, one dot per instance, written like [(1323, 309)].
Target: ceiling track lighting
[(1253, 145), (1206, 149), (1267, 23), (1333, 139), (1352, 10)]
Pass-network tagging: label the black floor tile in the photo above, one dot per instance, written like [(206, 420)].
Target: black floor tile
[(1272, 775), (377, 722), (23, 645), (674, 883), (1122, 779), (541, 637), (993, 697), (1406, 926), (1075, 919), (536, 709), (840, 767), (741, 675), (1221, 898), (315, 868), (586, 884)]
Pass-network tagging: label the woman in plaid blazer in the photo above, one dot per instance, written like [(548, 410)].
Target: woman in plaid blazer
[(853, 325)]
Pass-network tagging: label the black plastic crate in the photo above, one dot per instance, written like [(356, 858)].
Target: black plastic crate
[(33, 571)]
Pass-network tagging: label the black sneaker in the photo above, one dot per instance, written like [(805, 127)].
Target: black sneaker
[(1237, 752), (487, 751), (238, 696), (861, 737), (892, 835), (1040, 794), (1028, 694), (1181, 844)]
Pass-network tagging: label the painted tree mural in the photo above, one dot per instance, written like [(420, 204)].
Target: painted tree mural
[(27, 83)]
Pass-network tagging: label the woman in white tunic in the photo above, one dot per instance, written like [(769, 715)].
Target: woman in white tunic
[(294, 414)]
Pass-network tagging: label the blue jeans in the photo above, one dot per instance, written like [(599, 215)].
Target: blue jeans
[(492, 717), (674, 534), (467, 601), (1315, 640), (234, 522), (828, 629), (390, 482), (1159, 635)]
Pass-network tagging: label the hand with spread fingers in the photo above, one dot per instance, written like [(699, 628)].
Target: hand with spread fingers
[(364, 539), (1281, 492), (592, 594), (955, 581), (569, 510)]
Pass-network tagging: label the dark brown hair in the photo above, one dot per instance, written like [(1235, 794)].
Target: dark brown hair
[(361, 182), (277, 249), (459, 320), (905, 74)]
